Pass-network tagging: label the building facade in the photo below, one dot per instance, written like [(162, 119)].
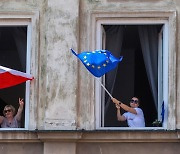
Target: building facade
[(66, 109)]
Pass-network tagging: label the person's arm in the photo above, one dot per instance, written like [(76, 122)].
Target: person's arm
[(124, 106), (1, 119), (119, 116), (20, 109)]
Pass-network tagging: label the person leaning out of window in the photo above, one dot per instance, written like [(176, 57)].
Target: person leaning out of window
[(10, 120), (134, 115)]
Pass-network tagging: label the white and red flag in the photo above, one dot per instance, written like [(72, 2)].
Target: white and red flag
[(10, 77)]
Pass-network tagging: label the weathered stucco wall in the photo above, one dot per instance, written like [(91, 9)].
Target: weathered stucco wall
[(61, 65), (87, 8), (53, 97), (65, 91), (20, 148), (178, 66), (126, 148)]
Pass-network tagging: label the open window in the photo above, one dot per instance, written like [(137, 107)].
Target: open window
[(15, 54), (142, 73)]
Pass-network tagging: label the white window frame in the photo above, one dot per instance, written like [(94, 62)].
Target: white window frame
[(29, 19), (169, 57)]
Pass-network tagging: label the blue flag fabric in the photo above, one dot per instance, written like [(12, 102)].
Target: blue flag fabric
[(163, 111), (98, 62)]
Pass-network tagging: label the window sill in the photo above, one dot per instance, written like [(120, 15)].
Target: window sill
[(90, 136), (132, 128)]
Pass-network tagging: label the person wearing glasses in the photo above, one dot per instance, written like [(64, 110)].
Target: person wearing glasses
[(10, 120), (134, 115)]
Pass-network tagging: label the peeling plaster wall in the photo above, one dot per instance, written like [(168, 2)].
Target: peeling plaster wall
[(177, 3), (87, 7), (61, 35), (56, 66), (20, 148), (65, 96), (140, 148)]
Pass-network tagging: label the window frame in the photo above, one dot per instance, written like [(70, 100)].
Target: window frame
[(168, 20), (29, 19)]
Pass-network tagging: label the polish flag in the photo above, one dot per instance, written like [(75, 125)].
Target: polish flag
[(10, 77)]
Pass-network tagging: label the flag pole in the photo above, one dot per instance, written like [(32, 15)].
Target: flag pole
[(104, 88)]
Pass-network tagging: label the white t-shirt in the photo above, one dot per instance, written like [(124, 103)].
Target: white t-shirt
[(135, 120)]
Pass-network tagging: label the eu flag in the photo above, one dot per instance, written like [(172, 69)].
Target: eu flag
[(98, 62)]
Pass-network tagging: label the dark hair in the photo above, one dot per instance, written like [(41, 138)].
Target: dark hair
[(139, 101)]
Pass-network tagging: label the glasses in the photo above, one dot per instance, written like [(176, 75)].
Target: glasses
[(134, 101), (5, 111)]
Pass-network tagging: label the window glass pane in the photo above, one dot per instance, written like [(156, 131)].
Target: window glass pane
[(131, 77), (13, 50)]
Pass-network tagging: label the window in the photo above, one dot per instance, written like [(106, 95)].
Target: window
[(16, 51), (144, 71), (13, 49)]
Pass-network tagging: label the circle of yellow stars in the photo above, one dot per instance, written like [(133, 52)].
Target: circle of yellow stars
[(93, 66)]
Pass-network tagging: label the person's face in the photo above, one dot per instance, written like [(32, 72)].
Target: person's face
[(8, 112), (134, 102)]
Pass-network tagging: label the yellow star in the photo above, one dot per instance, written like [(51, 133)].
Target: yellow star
[(84, 57), (85, 61), (98, 67), (104, 65), (107, 61), (88, 64), (93, 66)]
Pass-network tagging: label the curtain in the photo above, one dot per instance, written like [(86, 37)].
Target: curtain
[(149, 43), (114, 37), (20, 37)]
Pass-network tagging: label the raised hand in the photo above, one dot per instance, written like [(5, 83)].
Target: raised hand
[(21, 102)]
